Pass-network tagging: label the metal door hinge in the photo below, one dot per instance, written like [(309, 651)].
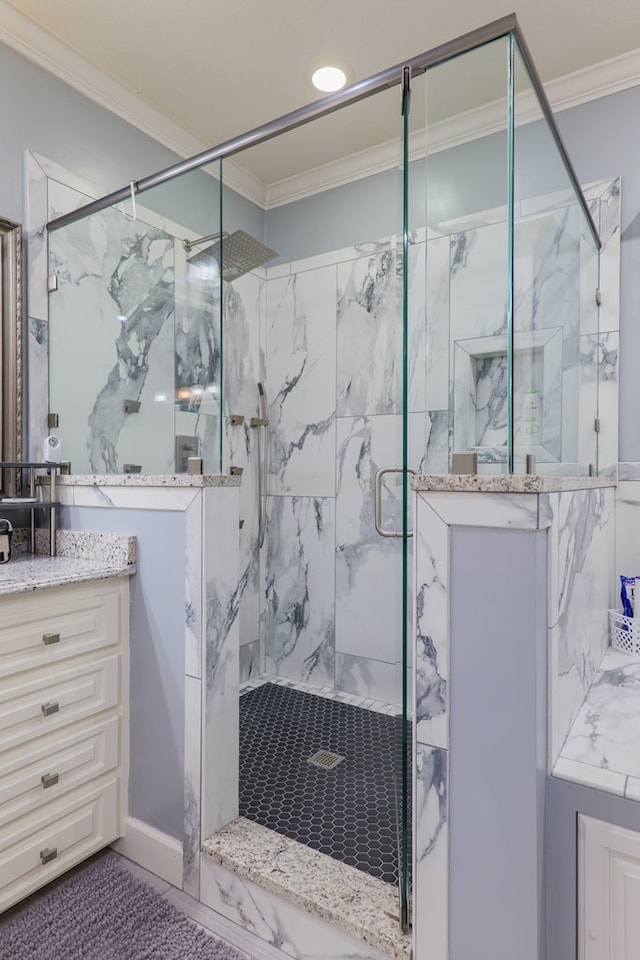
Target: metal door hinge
[(596, 424), (52, 420), (406, 90), (52, 282), (598, 296)]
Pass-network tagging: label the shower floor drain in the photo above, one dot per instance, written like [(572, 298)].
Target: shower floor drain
[(326, 759)]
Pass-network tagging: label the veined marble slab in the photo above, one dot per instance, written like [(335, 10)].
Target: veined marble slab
[(326, 888), (606, 731)]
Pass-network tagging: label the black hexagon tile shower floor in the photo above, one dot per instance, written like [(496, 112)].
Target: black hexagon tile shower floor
[(345, 809)]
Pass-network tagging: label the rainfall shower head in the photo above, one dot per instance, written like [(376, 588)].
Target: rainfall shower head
[(238, 252)]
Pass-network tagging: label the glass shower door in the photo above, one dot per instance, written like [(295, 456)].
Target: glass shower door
[(136, 290), (321, 327)]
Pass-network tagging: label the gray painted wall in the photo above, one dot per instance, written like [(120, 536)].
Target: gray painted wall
[(603, 139), (48, 117), (497, 744), (156, 775)]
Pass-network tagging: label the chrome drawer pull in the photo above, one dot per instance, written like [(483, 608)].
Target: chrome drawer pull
[(47, 855), (49, 708), (49, 780), (48, 638)]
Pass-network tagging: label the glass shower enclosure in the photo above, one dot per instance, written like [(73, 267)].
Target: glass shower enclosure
[(326, 347)]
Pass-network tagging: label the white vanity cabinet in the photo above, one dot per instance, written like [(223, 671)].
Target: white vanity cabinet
[(608, 891), (63, 717)]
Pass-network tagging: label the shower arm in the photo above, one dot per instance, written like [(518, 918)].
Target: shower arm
[(188, 245)]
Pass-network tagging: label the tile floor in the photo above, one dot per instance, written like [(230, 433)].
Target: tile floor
[(348, 812)]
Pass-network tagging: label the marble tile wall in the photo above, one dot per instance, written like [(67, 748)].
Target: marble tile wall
[(581, 591), (332, 355), (244, 308), (121, 284), (275, 921), (555, 278)]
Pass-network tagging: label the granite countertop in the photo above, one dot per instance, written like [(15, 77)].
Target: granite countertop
[(505, 483), (146, 480), (361, 905), (26, 574), (81, 556), (601, 749)]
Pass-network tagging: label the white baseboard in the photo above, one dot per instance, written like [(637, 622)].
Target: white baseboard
[(153, 850)]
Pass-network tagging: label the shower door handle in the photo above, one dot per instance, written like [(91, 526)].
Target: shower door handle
[(378, 501)]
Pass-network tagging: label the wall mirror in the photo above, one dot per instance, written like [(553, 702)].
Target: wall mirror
[(11, 384)]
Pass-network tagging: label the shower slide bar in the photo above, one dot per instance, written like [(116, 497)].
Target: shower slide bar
[(261, 423), (392, 76)]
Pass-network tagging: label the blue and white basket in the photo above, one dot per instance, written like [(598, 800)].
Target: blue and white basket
[(624, 632)]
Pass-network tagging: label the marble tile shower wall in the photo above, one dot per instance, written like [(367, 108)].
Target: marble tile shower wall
[(244, 310), (122, 283), (332, 367), (466, 290), (332, 356), (581, 553)]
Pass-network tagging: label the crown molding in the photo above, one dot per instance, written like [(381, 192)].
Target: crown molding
[(31, 41), (35, 44), (592, 83)]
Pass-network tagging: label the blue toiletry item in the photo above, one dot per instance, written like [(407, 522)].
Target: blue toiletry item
[(625, 582)]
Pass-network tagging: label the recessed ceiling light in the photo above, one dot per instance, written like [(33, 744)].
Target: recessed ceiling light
[(328, 79)]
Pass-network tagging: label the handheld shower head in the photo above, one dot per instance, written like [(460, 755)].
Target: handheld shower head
[(262, 397)]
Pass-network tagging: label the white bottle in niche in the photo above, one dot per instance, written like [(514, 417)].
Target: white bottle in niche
[(531, 412)]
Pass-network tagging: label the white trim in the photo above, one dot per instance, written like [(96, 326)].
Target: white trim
[(34, 43), (591, 83), (156, 851), (600, 80)]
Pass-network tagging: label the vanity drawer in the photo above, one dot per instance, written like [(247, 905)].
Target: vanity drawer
[(35, 704), (48, 626), (52, 766), (43, 845)]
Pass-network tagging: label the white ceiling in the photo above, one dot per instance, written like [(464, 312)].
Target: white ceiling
[(219, 69)]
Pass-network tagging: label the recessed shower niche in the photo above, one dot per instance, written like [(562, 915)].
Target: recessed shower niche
[(481, 395)]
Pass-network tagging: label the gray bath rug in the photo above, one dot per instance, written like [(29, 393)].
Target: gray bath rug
[(103, 913)]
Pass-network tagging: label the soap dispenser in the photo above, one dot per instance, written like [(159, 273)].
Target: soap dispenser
[(6, 532)]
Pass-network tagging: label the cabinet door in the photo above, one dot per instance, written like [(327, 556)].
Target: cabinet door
[(608, 891)]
